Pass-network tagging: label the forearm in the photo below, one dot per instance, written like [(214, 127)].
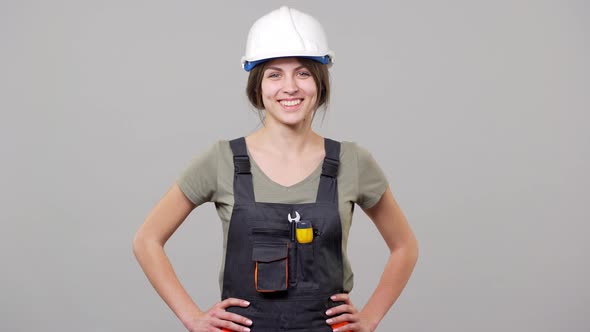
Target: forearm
[(397, 271), (159, 271)]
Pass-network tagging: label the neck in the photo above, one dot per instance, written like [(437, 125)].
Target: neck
[(286, 140)]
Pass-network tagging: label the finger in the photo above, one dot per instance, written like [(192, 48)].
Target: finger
[(230, 316), (227, 325), (233, 302), (344, 308), (341, 297), (348, 318)]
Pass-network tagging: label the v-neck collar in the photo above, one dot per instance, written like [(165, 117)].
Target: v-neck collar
[(313, 175)]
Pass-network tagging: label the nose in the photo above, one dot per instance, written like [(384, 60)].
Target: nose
[(290, 85)]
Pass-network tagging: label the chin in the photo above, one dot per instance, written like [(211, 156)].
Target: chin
[(292, 122)]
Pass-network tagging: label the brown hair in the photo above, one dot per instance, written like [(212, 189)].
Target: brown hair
[(318, 71)]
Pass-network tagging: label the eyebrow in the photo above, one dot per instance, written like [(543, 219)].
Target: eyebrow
[(280, 69)]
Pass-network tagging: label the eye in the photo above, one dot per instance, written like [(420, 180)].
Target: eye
[(304, 74), (273, 75)]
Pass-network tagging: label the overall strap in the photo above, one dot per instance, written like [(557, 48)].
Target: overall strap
[(243, 187), (328, 188)]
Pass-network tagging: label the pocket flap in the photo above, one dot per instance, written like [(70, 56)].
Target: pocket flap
[(269, 252)]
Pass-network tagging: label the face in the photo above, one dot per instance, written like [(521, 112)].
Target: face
[(289, 92)]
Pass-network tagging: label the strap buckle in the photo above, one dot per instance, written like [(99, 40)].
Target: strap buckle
[(330, 167), (242, 165)]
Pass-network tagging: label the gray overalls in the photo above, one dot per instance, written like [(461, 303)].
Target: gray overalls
[(288, 283)]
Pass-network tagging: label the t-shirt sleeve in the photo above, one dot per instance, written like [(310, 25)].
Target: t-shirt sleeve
[(372, 182), (198, 180)]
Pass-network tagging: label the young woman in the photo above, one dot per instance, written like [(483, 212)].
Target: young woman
[(285, 196)]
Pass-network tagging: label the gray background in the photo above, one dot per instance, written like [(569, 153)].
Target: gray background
[(477, 112)]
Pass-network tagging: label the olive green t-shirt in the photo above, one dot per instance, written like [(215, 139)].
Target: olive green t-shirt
[(208, 177)]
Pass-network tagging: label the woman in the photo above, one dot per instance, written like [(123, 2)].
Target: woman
[(285, 196)]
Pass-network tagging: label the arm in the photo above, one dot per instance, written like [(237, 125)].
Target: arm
[(148, 247), (403, 248)]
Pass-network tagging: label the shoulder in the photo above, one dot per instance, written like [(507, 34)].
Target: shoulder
[(348, 163), (224, 151), (198, 179), (219, 149), (208, 159), (351, 151)]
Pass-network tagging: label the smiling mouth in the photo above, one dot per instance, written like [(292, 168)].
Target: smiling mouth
[(290, 103)]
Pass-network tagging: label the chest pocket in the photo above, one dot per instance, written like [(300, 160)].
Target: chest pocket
[(281, 262), (271, 273)]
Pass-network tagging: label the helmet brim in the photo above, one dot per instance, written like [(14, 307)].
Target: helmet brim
[(249, 65)]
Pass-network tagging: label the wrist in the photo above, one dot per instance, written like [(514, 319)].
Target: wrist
[(188, 318), (369, 321)]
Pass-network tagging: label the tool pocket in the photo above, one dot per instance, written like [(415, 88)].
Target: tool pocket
[(307, 264), (271, 271)]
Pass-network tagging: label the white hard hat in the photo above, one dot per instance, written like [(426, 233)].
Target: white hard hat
[(286, 32)]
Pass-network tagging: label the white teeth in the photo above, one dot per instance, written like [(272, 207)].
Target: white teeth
[(291, 102)]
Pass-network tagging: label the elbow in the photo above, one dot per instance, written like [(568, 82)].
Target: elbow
[(412, 247), (144, 241), (409, 250), (415, 252), (137, 244)]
